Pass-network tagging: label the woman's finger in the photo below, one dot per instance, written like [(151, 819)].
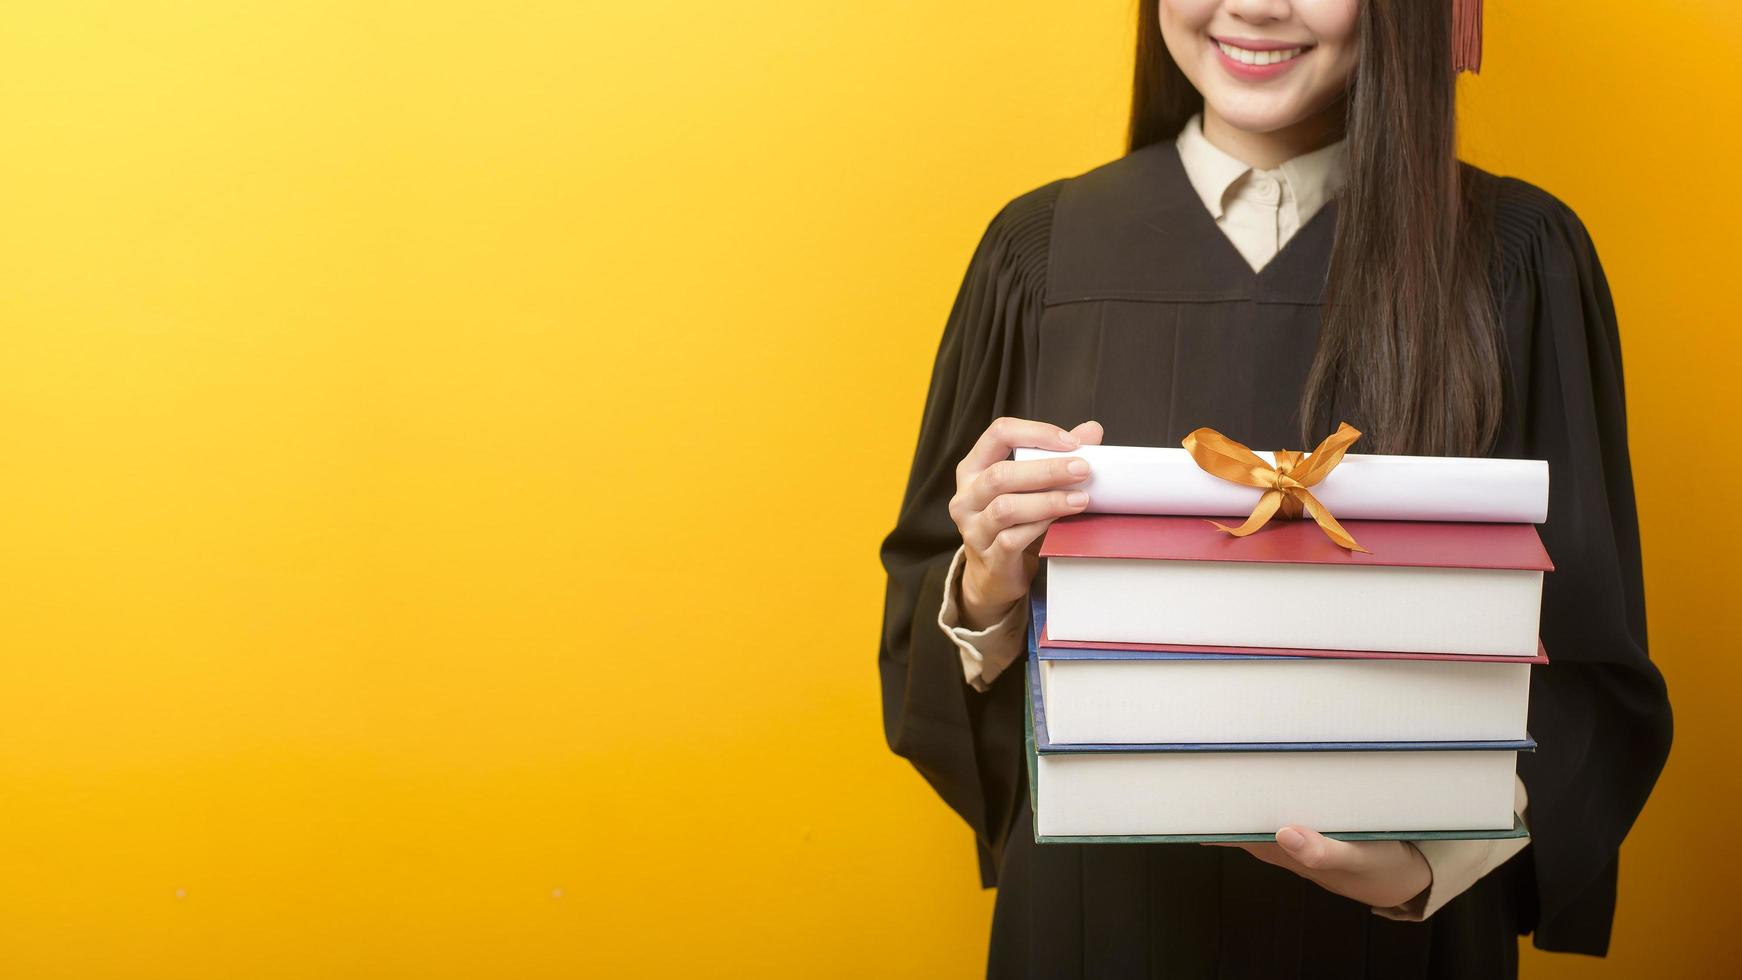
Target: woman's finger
[(1308, 853), (1315, 851), (1012, 509), (1006, 434), (1380, 873), (1269, 854), (1011, 476), (993, 540), (1089, 433), (1014, 540)]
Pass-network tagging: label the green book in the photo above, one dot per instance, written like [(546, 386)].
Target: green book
[(1033, 752)]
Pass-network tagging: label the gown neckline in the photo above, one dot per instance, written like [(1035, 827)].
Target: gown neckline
[(1111, 225)]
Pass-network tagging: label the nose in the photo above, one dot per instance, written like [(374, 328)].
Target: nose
[(1259, 11)]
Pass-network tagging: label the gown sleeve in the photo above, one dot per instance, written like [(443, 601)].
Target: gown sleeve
[(967, 744), (1600, 709)]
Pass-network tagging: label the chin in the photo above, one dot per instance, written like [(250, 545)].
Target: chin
[(1260, 114)]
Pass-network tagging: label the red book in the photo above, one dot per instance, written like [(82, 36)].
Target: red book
[(1434, 544), (1426, 586)]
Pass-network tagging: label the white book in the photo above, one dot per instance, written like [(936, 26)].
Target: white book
[(1222, 789), (1105, 794), (1426, 587), (1273, 699)]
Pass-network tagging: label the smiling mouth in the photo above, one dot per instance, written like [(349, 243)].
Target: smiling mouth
[(1248, 56)]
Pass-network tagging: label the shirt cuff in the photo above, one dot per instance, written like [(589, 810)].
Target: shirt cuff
[(1458, 864), (985, 653)]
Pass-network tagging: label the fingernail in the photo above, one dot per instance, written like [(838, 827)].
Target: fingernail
[(1076, 499), (1077, 467), (1290, 838)]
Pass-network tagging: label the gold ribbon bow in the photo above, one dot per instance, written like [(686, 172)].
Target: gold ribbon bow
[(1284, 485)]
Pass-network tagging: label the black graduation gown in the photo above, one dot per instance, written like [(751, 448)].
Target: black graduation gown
[(1113, 296)]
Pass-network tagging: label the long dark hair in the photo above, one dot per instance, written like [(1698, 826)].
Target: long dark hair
[(1410, 348)]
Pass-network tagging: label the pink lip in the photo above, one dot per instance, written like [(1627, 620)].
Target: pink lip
[(1240, 69)]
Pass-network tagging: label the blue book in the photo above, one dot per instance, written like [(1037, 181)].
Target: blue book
[(1245, 791)]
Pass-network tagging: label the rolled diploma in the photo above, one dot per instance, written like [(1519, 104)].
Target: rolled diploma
[(1160, 480)]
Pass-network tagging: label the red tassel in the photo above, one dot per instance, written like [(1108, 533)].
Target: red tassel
[(1467, 36)]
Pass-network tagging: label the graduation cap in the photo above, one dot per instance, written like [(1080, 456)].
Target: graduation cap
[(1467, 36)]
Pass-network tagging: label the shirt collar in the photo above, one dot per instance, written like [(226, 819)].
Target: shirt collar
[(1312, 177)]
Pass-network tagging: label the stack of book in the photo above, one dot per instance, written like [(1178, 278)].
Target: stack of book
[(1189, 685)]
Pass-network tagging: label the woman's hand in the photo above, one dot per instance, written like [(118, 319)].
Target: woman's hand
[(1380, 873), (1002, 507)]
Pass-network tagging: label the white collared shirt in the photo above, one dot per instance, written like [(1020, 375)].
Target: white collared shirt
[(1260, 210)]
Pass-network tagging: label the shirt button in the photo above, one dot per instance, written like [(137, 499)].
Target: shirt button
[(1267, 189)]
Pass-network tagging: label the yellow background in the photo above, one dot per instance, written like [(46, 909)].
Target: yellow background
[(445, 447)]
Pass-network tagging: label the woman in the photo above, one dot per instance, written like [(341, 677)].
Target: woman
[(1291, 242)]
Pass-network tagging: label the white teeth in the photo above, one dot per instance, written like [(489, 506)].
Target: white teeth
[(1249, 57)]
